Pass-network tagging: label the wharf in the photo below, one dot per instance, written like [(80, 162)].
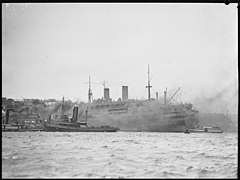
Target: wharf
[(9, 127)]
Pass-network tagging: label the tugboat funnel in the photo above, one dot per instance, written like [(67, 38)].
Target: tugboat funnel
[(75, 114)]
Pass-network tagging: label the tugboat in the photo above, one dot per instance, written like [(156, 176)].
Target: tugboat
[(72, 125)]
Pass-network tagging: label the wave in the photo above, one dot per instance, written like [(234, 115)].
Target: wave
[(114, 155)]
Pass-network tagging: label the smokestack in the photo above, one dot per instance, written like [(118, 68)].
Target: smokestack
[(165, 97), (157, 96), (7, 116), (106, 93), (124, 92), (75, 114)]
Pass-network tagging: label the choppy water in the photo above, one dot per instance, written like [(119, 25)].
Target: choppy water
[(120, 154)]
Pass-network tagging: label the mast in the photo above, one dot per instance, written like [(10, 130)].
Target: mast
[(148, 86), (104, 82), (89, 91)]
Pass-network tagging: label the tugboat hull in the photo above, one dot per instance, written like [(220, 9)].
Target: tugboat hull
[(61, 128)]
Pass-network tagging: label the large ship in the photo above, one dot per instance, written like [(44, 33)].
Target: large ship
[(140, 115), (66, 124)]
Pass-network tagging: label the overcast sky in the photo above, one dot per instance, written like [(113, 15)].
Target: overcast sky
[(49, 50)]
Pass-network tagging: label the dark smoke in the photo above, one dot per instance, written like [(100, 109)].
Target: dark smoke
[(225, 99)]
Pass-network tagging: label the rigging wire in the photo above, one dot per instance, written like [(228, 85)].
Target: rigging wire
[(140, 93), (143, 95)]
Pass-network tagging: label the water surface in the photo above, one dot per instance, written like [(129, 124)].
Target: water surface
[(120, 154)]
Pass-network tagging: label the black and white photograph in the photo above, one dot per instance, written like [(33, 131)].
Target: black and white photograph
[(120, 90)]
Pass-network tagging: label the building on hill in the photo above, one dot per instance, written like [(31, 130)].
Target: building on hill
[(28, 102), (50, 102), (31, 118)]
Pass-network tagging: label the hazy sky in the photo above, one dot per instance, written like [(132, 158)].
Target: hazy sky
[(49, 50)]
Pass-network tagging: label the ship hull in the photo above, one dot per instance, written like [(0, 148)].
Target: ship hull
[(149, 118)]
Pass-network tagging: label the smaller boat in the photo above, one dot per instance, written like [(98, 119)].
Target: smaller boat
[(187, 132), (206, 130)]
